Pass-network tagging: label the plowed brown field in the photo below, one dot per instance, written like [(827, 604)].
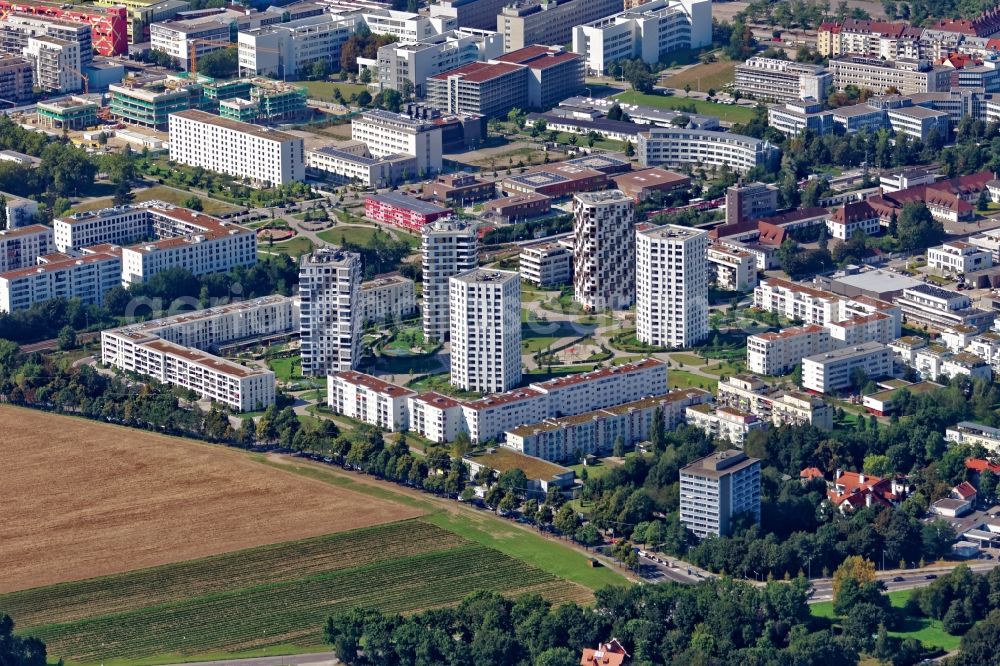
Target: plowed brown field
[(83, 499)]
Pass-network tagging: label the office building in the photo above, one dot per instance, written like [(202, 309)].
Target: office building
[(85, 278), (352, 162), (485, 316), (603, 250), (837, 369), (151, 105), (793, 118), (262, 156), (555, 180), (938, 308), (546, 264), (407, 26), (449, 247), (74, 113), (173, 350), (369, 400), (388, 298), (387, 134), (553, 74), (417, 61), (488, 89), (284, 50), (917, 122), (516, 208), (904, 76), (480, 14), (676, 147), (649, 32), (460, 188), (958, 257), (644, 183), (181, 39), (671, 265), (773, 80), (751, 201), (717, 489), (732, 426), (330, 319), (527, 22)]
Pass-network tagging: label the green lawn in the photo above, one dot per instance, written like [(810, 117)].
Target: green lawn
[(688, 359), (323, 90), (704, 76), (293, 248), (161, 193), (927, 631), (364, 235), (726, 112), (441, 383), (683, 379)]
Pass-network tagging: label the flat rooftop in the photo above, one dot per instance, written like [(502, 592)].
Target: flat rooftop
[(878, 281), (235, 125), (503, 459), (409, 203)]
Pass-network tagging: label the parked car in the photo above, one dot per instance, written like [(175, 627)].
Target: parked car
[(898, 579)]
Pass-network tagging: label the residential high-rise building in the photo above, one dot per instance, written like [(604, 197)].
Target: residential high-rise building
[(671, 286), (330, 319), (603, 250), (262, 155), (716, 489), (449, 248), (485, 315)]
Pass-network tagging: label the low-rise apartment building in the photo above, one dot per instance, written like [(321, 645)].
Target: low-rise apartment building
[(747, 393), (677, 147), (86, 278), (595, 432), (938, 308), (732, 270), (724, 423), (387, 298), (369, 399), (974, 434), (934, 361), (547, 264), (20, 247), (835, 370)]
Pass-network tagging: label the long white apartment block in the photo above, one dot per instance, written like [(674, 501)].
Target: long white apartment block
[(485, 315), (176, 350), (974, 434), (449, 247), (330, 312), (648, 31), (21, 247), (595, 432), (259, 154), (369, 399), (440, 418), (815, 306), (672, 286), (603, 250), (387, 298), (417, 61), (387, 134), (57, 275), (833, 371)]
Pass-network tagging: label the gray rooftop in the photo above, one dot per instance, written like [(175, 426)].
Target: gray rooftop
[(410, 203)]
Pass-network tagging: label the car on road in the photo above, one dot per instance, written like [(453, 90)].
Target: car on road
[(930, 576), (898, 579)]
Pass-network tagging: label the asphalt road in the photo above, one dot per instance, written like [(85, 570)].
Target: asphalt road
[(823, 588)]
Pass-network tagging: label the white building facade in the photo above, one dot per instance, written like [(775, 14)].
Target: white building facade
[(485, 316), (330, 319), (672, 286)]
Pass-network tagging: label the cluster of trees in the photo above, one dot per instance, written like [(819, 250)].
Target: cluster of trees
[(219, 64), (715, 622), (800, 531), (527, 230), (18, 650), (380, 255), (958, 599), (362, 44), (919, 11), (794, 14), (636, 72)]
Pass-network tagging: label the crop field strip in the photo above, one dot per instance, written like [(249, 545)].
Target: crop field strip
[(234, 602)]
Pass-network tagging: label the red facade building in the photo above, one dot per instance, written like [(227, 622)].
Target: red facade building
[(108, 25), (400, 210)]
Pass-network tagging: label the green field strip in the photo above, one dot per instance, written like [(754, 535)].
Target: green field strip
[(291, 612), (220, 573)]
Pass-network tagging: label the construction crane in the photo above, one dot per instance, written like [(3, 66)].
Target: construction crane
[(193, 53), (83, 77)]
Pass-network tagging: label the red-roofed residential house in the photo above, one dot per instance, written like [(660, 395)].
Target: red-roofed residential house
[(607, 654)]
